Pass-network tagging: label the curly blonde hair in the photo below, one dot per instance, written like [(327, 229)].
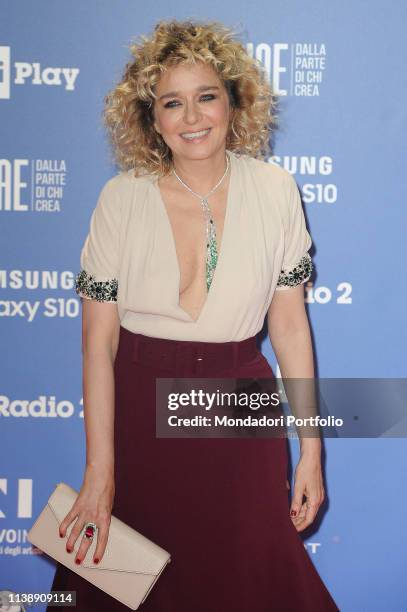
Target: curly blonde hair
[(128, 111)]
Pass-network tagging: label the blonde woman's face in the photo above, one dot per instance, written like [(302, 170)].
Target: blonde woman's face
[(192, 111)]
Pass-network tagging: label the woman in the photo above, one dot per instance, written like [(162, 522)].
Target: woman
[(190, 247)]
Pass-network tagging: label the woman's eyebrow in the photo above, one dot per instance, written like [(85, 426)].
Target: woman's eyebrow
[(174, 94)]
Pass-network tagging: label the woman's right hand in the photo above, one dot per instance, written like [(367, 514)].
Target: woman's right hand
[(94, 504)]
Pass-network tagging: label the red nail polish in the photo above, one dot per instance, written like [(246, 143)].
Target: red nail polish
[(78, 561), (96, 560), (60, 535), (293, 513), (68, 549)]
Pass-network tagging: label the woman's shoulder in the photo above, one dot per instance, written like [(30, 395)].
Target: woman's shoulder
[(124, 189), (127, 180), (268, 173)]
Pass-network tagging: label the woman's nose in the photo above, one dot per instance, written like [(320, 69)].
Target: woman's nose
[(191, 113)]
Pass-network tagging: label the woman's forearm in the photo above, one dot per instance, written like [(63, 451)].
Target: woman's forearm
[(294, 354), (293, 350), (98, 397)]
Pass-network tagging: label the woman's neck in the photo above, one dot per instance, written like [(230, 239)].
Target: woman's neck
[(201, 174)]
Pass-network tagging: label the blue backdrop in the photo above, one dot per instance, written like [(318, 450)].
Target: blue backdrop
[(339, 68)]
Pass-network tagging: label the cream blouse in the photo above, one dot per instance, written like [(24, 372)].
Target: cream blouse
[(129, 254)]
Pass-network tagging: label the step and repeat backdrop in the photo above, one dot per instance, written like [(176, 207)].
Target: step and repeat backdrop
[(339, 71)]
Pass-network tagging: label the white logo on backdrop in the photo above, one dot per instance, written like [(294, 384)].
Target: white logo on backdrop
[(295, 69), (13, 541), (23, 73), (35, 185), (319, 188), (36, 281), (24, 503), (43, 407)]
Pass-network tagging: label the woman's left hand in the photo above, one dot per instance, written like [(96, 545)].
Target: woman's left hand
[(307, 481)]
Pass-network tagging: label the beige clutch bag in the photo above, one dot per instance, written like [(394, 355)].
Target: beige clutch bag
[(130, 566)]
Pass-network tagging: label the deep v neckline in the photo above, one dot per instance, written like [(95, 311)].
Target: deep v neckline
[(221, 249)]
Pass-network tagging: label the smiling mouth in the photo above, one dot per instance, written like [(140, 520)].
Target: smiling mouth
[(195, 135)]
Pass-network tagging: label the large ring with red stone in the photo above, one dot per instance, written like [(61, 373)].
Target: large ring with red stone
[(90, 530)]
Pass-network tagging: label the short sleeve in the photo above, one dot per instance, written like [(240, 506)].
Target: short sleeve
[(297, 264), (99, 259)]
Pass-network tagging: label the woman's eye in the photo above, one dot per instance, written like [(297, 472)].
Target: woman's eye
[(170, 104), (203, 98)]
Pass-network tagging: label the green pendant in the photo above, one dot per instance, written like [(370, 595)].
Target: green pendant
[(211, 246), (211, 260)]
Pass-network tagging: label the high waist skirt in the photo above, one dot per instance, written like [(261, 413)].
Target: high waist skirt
[(219, 506)]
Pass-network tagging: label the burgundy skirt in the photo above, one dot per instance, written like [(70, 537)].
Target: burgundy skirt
[(219, 506)]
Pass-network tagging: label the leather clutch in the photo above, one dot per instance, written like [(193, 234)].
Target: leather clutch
[(131, 563)]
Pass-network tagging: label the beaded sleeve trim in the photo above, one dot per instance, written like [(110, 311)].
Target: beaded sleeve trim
[(102, 291), (296, 275)]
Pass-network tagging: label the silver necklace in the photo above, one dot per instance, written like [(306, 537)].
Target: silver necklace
[(211, 246)]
